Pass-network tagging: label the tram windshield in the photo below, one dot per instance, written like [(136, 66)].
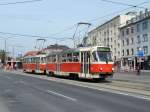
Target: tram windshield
[(102, 56)]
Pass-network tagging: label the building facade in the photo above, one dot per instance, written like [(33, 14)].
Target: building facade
[(135, 37), (108, 33)]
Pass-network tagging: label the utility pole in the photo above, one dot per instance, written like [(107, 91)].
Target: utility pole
[(5, 58), (5, 49), (13, 51)]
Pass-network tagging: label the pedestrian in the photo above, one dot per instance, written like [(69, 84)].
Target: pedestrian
[(15, 66), (138, 69)]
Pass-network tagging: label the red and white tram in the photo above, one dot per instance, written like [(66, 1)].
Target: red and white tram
[(35, 64), (85, 62)]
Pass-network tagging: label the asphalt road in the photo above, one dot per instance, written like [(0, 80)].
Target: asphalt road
[(28, 94)]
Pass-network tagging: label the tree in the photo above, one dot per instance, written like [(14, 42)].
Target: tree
[(2, 56)]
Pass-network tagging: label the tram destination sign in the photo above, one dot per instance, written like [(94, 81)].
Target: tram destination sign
[(105, 49)]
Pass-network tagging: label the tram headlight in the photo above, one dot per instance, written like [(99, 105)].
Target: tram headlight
[(101, 69), (113, 69)]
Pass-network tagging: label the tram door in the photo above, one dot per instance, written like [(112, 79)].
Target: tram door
[(85, 60), (38, 63)]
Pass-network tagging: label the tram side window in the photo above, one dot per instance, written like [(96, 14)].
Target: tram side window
[(42, 60), (31, 60), (94, 56), (37, 60), (23, 61), (54, 58), (69, 57), (34, 60), (63, 58), (45, 60), (26, 60), (75, 57), (49, 59)]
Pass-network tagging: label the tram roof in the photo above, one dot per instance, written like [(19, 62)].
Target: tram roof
[(36, 56), (75, 50), (54, 53)]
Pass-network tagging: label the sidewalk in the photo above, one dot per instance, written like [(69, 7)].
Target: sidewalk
[(132, 76), (132, 71)]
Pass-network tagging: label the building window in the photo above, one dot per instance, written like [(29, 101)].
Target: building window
[(115, 41), (144, 25), (132, 29), (127, 41), (122, 52), (108, 39), (145, 38), (114, 57), (127, 31), (138, 39), (104, 33), (127, 51), (123, 42), (122, 32), (132, 40), (118, 53), (115, 50), (132, 51), (111, 31), (138, 27), (145, 48)]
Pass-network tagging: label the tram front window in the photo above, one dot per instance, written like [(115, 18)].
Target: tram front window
[(104, 56)]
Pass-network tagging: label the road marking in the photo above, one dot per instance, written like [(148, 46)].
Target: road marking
[(61, 95), (50, 92)]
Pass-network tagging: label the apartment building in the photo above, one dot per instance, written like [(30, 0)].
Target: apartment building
[(135, 36)]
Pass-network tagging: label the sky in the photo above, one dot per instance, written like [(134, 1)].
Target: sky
[(52, 19)]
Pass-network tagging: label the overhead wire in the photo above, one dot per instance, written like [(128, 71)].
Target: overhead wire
[(116, 12), (125, 4), (22, 2), (72, 26), (26, 35)]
